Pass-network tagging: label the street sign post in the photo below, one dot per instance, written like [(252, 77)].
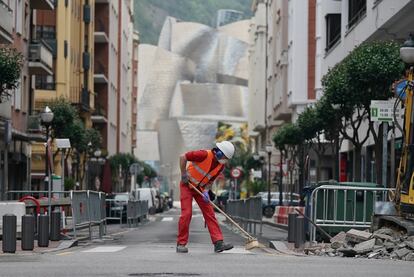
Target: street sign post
[(236, 174), (385, 112)]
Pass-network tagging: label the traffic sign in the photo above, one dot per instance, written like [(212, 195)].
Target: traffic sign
[(235, 173), (383, 110)]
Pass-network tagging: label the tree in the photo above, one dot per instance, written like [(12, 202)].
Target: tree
[(289, 140), (366, 74), (11, 62), (67, 124)]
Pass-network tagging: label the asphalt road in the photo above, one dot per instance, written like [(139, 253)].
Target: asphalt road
[(149, 250)]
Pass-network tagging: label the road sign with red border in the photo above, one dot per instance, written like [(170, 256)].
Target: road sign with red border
[(236, 173)]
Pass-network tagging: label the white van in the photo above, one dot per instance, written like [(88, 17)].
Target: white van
[(149, 195)]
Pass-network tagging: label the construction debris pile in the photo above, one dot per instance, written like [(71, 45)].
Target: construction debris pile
[(384, 243)]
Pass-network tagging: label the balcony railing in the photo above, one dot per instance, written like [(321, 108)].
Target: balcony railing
[(40, 58), (6, 23), (356, 17), (33, 124)]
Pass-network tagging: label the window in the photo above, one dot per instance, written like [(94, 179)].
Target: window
[(333, 30), (45, 82), (356, 10)]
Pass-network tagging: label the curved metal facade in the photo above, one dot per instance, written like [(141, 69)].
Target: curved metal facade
[(196, 77)]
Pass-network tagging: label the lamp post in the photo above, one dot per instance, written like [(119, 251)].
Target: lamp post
[(47, 116)]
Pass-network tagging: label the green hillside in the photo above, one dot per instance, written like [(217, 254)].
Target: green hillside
[(150, 14)]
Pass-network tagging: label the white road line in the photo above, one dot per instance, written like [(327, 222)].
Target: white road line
[(105, 249), (237, 251), (167, 219)]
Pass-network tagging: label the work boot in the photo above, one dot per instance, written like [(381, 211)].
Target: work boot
[(181, 248), (220, 246)]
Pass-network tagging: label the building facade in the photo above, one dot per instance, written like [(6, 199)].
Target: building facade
[(341, 26)]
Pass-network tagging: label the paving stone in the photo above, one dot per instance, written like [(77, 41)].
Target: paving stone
[(382, 236), (357, 236), (410, 244), (365, 247), (347, 252), (337, 244), (402, 252), (374, 255), (385, 231), (340, 237), (409, 257)]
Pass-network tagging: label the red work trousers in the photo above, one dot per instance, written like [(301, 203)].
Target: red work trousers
[(186, 198)]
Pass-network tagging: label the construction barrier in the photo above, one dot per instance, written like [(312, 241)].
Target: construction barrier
[(248, 212), (87, 211), (137, 210), (282, 213), (340, 208)]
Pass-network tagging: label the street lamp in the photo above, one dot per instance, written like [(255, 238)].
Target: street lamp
[(407, 50), (269, 209), (47, 116)]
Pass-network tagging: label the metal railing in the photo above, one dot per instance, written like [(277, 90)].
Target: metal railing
[(247, 211), (88, 211), (344, 207), (116, 209), (137, 210)]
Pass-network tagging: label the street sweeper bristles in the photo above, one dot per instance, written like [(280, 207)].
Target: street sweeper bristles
[(252, 243)]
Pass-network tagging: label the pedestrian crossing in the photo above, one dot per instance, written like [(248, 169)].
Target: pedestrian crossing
[(104, 249)]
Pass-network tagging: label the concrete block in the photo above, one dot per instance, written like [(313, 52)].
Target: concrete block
[(365, 247), (347, 252), (356, 236), (410, 244), (409, 257), (402, 252), (384, 237), (12, 207), (339, 237)]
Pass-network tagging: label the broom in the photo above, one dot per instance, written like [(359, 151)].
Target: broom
[(251, 242)]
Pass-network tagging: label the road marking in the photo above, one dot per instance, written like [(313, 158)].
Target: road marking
[(64, 253), (119, 233), (105, 249), (237, 251), (167, 219)]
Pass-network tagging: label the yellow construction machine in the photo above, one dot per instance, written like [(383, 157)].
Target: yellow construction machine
[(403, 196)]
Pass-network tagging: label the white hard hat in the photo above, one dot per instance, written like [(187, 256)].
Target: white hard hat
[(227, 148)]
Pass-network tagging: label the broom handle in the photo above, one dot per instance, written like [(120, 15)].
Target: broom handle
[(223, 213)]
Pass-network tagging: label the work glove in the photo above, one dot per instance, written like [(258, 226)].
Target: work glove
[(212, 195), (206, 197), (184, 178)]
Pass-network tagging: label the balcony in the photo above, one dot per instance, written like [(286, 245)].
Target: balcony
[(42, 96), (99, 116), (42, 4), (100, 74), (34, 124), (101, 31), (40, 59), (6, 24)]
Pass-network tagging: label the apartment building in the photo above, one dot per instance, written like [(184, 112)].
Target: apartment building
[(342, 25), (67, 32), (15, 140), (282, 67)]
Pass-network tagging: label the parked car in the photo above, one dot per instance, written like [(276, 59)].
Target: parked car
[(274, 199), (148, 194), (118, 205)]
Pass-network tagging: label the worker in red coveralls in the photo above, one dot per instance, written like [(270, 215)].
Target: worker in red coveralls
[(201, 168)]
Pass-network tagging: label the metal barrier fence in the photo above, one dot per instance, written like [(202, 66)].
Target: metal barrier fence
[(87, 211), (137, 210), (116, 209), (247, 211), (344, 207)]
